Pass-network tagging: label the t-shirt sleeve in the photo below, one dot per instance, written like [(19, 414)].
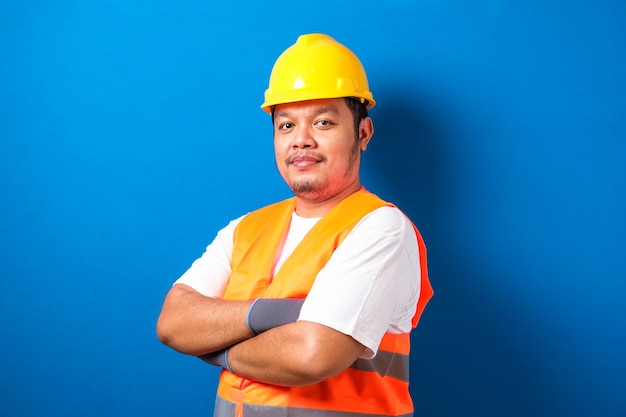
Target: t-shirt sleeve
[(209, 274), (371, 283)]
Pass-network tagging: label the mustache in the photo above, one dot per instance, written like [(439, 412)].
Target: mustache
[(305, 155)]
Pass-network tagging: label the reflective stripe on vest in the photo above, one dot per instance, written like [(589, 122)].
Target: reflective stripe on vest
[(227, 408), (370, 387)]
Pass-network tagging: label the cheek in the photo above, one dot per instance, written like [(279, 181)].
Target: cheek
[(344, 152), (279, 157), (277, 149)]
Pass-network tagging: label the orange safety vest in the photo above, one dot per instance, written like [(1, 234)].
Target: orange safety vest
[(369, 387)]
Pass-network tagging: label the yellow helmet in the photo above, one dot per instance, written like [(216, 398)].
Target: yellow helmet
[(317, 66)]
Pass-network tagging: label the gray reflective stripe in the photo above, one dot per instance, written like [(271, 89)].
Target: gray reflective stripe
[(224, 408), (385, 363)]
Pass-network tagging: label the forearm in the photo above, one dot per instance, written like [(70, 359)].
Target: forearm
[(194, 324), (296, 354)]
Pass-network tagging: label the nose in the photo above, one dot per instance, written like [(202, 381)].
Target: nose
[(303, 138)]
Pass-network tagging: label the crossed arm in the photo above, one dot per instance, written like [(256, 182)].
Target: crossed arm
[(293, 354)]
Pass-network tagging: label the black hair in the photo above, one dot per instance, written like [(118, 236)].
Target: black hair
[(359, 112)]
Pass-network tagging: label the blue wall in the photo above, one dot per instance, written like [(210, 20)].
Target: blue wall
[(130, 132)]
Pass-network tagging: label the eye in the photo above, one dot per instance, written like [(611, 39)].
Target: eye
[(285, 126), (323, 123)]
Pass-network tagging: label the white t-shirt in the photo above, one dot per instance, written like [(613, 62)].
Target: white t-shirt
[(369, 286)]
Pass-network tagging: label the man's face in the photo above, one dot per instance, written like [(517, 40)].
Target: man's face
[(316, 147)]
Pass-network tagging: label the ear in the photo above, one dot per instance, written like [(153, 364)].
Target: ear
[(366, 131)]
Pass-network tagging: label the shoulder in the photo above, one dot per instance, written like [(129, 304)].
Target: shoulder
[(273, 207), (385, 220), (270, 213), (232, 225)]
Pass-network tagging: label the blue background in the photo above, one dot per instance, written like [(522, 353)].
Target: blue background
[(130, 131)]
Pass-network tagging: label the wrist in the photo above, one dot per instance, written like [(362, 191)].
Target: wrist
[(248, 317), (266, 313), (226, 363)]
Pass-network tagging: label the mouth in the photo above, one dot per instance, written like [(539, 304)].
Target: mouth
[(303, 161)]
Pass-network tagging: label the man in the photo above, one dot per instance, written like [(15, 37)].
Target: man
[(307, 304)]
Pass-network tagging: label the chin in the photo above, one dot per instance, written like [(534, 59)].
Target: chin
[(305, 188)]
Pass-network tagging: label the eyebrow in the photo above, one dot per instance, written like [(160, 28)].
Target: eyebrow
[(318, 111)]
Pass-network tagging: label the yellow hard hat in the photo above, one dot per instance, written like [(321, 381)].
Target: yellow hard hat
[(317, 66)]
